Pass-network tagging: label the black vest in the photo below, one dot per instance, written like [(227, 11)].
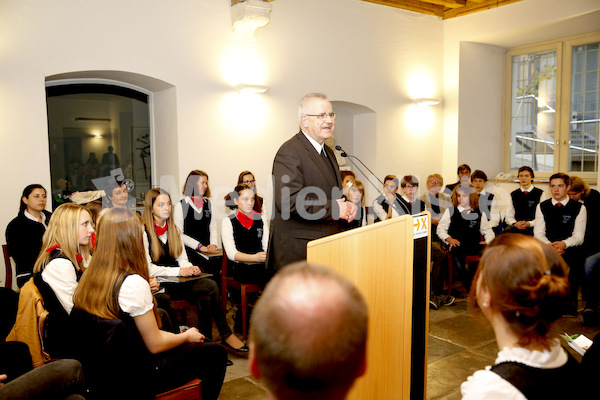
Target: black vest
[(248, 241), (543, 383), (197, 225), (465, 227), (166, 260), (382, 201), (416, 207), (356, 222), (525, 204), (560, 221), (57, 325), (485, 204)]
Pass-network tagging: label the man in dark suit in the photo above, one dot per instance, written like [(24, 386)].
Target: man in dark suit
[(307, 186)]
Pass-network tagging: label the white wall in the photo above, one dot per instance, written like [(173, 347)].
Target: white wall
[(474, 71)]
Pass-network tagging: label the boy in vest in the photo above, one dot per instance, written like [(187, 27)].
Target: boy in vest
[(560, 223), (520, 214), (487, 203)]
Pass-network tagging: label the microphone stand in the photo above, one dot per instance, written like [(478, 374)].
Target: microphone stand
[(396, 202)]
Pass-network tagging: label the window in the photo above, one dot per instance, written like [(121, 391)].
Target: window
[(96, 131), (552, 107)]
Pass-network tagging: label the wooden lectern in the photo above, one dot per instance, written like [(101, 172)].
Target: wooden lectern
[(379, 260)]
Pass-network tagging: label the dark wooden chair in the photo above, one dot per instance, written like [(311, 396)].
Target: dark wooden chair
[(7, 267), (244, 288)]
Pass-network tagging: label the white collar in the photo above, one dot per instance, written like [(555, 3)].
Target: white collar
[(528, 189), (461, 208), (318, 146), (563, 202), (407, 200), (190, 202), (31, 217)]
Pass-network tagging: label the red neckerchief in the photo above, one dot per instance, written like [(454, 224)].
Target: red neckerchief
[(57, 246), (160, 231), (245, 220), (198, 201), (93, 239)]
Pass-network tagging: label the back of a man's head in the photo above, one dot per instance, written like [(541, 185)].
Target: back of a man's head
[(308, 334)]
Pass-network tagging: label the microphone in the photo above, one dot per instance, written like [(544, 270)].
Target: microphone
[(342, 152), (396, 204)]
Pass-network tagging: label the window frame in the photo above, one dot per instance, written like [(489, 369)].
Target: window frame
[(563, 48)]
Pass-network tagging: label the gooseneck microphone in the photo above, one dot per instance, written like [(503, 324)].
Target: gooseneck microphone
[(396, 205)]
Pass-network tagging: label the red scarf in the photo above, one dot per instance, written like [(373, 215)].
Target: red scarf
[(160, 231), (57, 246), (245, 220), (198, 201)]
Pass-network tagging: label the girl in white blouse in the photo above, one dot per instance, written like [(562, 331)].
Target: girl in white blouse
[(116, 286), (521, 289)]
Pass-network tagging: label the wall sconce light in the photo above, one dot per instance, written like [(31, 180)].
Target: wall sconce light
[(428, 102), (243, 88), (249, 15)]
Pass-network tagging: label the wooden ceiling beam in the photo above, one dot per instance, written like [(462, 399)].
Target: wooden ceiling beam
[(449, 3), (413, 5), (473, 7)]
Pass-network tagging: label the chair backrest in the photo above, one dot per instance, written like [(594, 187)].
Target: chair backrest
[(113, 355), (7, 267)]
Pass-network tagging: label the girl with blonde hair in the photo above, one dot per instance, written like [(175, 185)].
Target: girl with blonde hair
[(116, 286), (165, 256), (65, 252)]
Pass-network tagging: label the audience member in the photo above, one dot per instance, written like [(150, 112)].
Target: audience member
[(247, 178), (388, 204), (347, 176), (308, 335), (590, 289), (166, 257), (354, 191), (487, 202), (193, 216), (521, 288), (465, 229), (464, 173), (24, 233), (245, 237), (115, 286), (520, 214), (560, 223), (410, 186), (436, 202)]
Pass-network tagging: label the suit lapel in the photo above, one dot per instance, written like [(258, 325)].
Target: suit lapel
[(332, 179)]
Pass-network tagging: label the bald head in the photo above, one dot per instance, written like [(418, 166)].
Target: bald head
[(308, 333)]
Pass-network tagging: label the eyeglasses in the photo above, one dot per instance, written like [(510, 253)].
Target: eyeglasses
[(248, 182), (434, 182), (322, 116)]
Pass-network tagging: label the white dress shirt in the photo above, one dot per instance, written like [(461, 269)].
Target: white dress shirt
[(157, 270), (229, 241), (188, 240), (510, 210), (444, 225), (576, 238), (494, 210)]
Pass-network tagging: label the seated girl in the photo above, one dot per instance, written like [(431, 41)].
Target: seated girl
[(521, 288), (194, 217), (115, 286), (24, 233), (388, 204), (247, 178), (354, 191), (65, 252), (465, 229), (245, 236), (165, 256)]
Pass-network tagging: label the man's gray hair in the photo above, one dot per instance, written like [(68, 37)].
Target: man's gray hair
[(305, 102)]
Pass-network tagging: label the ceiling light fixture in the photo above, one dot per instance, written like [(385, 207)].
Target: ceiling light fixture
[(249, 15)]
